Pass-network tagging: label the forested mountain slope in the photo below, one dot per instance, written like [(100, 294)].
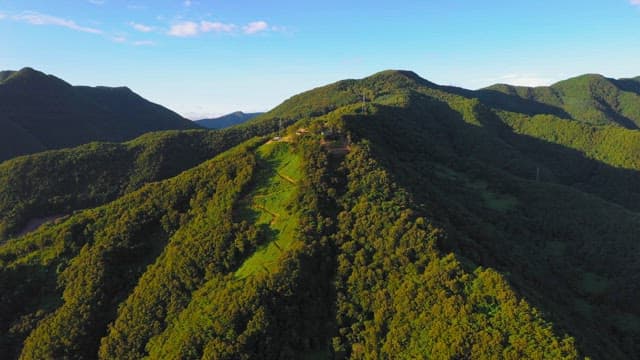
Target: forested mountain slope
[(590, 98), (59, 182), (40, 112), (425, 224), (55, 183)]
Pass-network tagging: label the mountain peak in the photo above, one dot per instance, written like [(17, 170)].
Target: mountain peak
[(397, 74), (28, 72), (29, 76), (584, 80), (399, 78), (590, 76)]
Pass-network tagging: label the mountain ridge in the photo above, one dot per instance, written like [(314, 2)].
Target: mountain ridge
[(49, 113), (234, 118), (593, 98)]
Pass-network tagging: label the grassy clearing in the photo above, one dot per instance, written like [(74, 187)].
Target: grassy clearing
[(270, 205), (494, 200), (491, 199)]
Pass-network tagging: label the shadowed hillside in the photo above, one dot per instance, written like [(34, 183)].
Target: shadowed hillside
[(40, 112)]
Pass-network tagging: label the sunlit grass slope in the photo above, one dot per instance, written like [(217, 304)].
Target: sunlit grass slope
[(270, 204)]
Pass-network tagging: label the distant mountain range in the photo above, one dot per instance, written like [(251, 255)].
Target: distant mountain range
[(591, 98), (41, 112), (224, 121)]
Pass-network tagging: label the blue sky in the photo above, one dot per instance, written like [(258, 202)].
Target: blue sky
[(206, 57)]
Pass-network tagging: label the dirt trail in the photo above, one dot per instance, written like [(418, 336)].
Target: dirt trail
[(286, 178), (273, 215)]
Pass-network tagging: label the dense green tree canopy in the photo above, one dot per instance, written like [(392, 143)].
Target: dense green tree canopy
[(429, 222)]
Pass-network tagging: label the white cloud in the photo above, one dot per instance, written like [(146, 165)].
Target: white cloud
[(187, 3), (97, 2), (2, 16), (634, 2), (34, 18), (191, 28), (144, 43), (119, 39), (184, 29), (141, 27), (206, 26), (255, 27)]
